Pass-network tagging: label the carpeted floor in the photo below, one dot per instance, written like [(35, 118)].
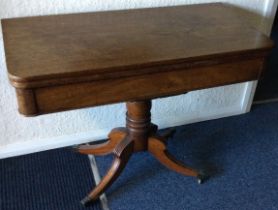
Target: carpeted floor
[(240, 153), (52, 180)]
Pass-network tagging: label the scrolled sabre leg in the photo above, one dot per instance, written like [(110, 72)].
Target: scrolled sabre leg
[(115, 137), (157, 148), (122, 153)]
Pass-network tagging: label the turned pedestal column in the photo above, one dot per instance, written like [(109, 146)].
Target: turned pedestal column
[(138, 135)]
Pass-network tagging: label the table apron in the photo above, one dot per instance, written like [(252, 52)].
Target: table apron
[(149, 86)]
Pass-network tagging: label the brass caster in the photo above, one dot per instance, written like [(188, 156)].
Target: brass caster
[(201, 178)]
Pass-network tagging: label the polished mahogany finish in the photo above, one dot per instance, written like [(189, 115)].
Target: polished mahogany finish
[(63, 62)]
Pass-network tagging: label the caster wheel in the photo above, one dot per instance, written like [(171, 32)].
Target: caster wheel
[(86, 202), (201, 178)]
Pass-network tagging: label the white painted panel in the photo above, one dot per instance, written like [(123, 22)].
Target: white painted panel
[(16, 130)]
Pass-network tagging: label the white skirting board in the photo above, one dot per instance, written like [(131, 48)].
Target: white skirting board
[(28, 147)]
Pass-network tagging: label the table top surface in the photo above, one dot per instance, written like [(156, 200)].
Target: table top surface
[(99, 43)]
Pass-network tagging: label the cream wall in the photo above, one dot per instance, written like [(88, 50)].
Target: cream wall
[(20, 135)]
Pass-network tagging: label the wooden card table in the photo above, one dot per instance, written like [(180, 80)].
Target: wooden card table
[(64, 62)]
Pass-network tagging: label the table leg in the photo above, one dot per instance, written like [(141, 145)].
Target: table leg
[(139, 135), (114, 138), (157, 148), (122, 153)]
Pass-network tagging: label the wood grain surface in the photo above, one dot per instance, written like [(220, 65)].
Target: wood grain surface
[(71, 61), (40, 48)]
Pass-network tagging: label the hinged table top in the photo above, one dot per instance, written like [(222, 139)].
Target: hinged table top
[(63, 62), (71, 48)]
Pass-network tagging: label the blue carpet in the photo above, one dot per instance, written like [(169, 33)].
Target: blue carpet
[(52, 180), (241, 154)]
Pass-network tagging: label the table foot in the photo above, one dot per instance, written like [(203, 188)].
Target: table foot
[(202, 177), (157, 147), (122, 153), (114, 138)]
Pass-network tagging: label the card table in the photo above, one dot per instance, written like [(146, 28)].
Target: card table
[(71, 61)]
